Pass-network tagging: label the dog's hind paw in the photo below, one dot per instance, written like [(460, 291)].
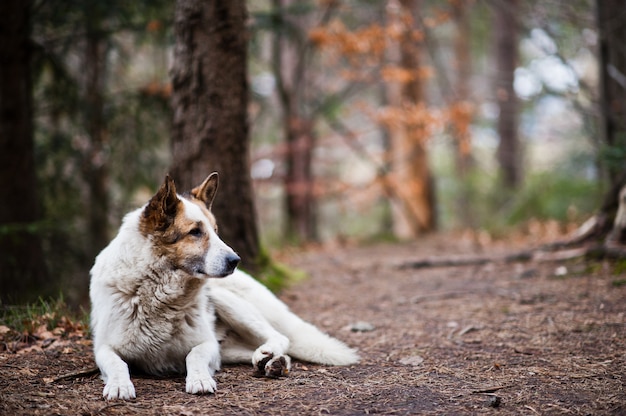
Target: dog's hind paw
[(119, 390), (273, 367), (200, 384)]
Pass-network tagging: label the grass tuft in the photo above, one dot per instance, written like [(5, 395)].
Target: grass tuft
[(49, 314)]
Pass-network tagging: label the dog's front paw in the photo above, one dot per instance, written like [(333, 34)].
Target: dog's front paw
[(200, 384), (118, 389), (273, 367)]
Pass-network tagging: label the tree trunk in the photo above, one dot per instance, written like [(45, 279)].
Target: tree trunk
[(461, 101), (617, 236), (461, 110), (506, 35), (23, 273), (290, 72), (612, 29), (95, 163), (300, 199), (411, 156), (210, 126), (609, 223)]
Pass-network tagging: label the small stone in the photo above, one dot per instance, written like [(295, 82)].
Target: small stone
[(527, 274), (362, 326), (413, 360), (494, 401)]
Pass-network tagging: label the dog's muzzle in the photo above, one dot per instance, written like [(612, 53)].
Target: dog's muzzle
[(230, 263)]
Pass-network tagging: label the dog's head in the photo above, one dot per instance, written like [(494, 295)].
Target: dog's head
[(183, 231)]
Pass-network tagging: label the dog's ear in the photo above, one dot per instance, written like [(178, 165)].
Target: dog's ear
[(206, 191), (162, 207)]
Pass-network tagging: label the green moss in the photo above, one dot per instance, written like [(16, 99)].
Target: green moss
[(618, 283), (593, 267), (275, 275), (619, 267)]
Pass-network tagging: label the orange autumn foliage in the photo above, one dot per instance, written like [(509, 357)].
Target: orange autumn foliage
[(369, 40), (460, 116)]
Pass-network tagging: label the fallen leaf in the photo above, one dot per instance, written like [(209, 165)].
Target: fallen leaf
[(28, 372), (26, 350)]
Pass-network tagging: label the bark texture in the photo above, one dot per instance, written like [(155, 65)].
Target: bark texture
[(95, 164), (210, 126), (289, 56), (461, 109), (411, 155), (611, 19), (506, 35), (22, 269)]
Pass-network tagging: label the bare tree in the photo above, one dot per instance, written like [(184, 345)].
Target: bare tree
[(210, 126), (23, 273), (416, 191), (462, 53), (290, 54), (461, 109), (608, 225), (506, 54), (610, 221)]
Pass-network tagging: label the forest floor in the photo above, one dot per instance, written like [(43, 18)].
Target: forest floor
[(498, 338)]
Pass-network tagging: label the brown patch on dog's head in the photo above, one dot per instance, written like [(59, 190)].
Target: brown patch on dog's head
[(178, 239), (161, 210)]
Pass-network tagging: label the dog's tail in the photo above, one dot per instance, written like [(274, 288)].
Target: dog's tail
[(307, 343)]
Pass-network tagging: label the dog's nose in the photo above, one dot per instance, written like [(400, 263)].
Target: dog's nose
[(232, 261)]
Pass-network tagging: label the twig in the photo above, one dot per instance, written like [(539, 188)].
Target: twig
[(532, 409), (84, 372), (442, 295), (489, 389)]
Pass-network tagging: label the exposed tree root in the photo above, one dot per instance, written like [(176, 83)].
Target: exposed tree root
[(608, 226), (593, 251)]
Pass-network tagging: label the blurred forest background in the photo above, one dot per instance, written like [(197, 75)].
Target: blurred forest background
[(367, 120)]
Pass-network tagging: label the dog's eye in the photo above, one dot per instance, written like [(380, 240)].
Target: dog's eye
[(196, 232)]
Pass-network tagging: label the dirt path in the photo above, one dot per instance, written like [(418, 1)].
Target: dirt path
[(506, 339)]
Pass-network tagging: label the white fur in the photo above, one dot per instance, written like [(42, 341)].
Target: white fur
[(131, 321), (163, 320), (241, 300)]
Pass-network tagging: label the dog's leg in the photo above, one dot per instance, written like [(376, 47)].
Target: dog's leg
[(115, 374), (247, 321), (234, 351), (202, 362)]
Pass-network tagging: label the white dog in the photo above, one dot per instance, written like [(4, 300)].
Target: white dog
[(167, 297)]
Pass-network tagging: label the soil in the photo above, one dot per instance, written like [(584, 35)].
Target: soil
[(520, 338)]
